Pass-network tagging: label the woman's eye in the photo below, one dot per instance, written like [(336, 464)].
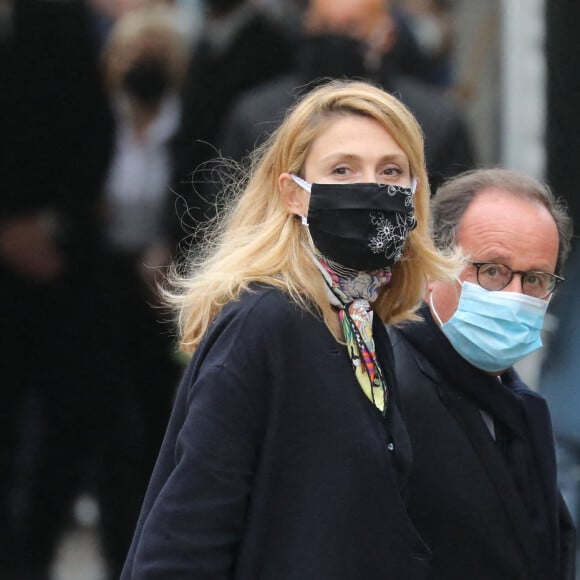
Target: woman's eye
[(341, 170), (392, 172)]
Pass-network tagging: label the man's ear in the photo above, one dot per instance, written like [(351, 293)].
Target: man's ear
[(295, 198), (429, 288)]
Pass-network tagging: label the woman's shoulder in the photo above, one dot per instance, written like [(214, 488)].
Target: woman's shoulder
[(261, 313), (266, 304), (264, 320)]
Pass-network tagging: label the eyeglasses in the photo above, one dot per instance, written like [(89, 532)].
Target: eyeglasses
[(492, 276)]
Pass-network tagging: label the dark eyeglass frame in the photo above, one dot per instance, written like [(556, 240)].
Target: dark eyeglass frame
[(523, 273)]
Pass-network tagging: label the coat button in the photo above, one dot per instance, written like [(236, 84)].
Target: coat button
[(390, 446)]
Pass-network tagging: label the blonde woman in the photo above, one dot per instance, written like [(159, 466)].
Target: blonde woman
[(286, 456)]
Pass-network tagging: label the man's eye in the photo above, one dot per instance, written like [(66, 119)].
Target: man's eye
[(534, 279), (493, 271)]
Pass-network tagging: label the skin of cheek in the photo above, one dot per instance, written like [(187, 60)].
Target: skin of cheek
[(443, 297)]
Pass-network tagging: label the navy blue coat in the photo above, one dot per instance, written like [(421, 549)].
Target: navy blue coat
[(275, 465), (488, 508)]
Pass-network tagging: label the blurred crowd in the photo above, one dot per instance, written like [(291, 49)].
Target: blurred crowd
[(110, 111)]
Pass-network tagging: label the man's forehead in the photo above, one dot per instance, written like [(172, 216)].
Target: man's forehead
[(487, 214), (499, 224)]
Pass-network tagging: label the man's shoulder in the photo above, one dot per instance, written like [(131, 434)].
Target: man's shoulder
[(420, 95), (273, 96), (256, 114), (412, 366)]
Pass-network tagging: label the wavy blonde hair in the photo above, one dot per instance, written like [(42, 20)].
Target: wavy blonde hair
[(258, 240)]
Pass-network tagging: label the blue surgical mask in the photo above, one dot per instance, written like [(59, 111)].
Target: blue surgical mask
[(494, 330)]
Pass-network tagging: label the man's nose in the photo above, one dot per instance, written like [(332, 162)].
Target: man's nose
[(515, 284)]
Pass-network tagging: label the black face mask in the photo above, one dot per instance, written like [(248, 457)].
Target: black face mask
[(330, 56), (363, 226), (147, 81)]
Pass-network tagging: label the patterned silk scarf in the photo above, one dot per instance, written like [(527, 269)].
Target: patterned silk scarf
[(352, 292)]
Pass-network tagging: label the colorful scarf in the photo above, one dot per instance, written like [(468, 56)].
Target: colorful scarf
[(352, 292)]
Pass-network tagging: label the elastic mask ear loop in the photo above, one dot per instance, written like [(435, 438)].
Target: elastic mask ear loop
[(301, 182), (307, 187), (414, 184), (433, 309)]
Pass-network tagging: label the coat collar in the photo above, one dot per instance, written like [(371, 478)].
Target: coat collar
[(501, 399)]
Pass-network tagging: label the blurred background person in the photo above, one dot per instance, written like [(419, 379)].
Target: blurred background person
[(353, 39), (561, 369), (144, 65), (559, 382), (88, 369), (241, 46), (55, 144), (144, 62), (430, 23), (559, 379)]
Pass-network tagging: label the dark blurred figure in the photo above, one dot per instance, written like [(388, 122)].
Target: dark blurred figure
[(144, 63), (430, 24), (559, 379), (88, 370), (241, 47), (559, 383), (353, 39), (54, 147)]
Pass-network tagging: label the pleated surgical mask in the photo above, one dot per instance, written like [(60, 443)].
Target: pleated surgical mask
[(363, 226), (494, 329)]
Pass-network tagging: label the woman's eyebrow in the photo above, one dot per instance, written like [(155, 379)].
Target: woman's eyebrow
[(389, 157)]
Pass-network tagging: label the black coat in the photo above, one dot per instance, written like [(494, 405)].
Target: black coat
[(275, 465), (488, 508)]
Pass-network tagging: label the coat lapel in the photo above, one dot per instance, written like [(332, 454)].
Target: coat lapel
[(489, 454)]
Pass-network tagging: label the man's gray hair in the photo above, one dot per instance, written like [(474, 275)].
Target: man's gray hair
[(454, 197)]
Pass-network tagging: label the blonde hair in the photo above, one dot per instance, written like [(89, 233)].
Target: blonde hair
[(260, 241), (146, 22)]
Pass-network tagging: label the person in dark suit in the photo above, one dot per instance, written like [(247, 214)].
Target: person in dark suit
[(55, 143), (352, 39), (482, 491), (285, 456), (240, 47), (144, 60)]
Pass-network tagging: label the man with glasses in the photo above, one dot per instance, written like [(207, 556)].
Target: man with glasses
[(483, 490)]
